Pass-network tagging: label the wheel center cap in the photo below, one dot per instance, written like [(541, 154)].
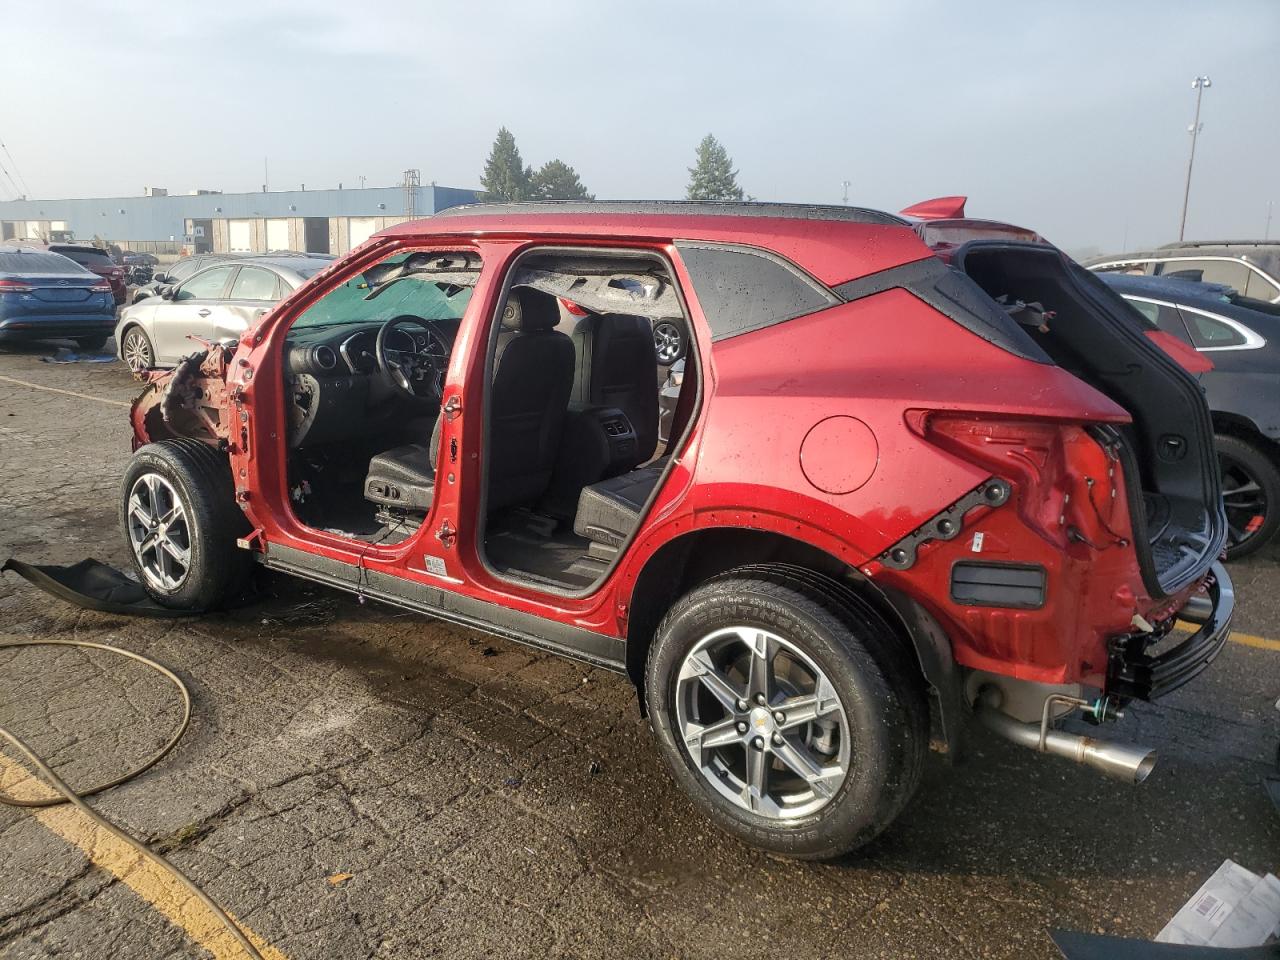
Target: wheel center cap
[(761, 721)]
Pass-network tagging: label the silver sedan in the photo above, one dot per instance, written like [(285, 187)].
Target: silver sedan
[(219, 302)]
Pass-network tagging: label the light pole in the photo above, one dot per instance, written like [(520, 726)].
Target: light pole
[(1267, 233), (845, 198), (1199, 84)]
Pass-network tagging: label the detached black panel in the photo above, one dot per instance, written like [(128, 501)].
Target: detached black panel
[(998, 585)]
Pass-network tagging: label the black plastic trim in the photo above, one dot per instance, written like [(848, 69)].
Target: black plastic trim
[(1021, 586), (527, 628), (953, 294), (1132, 673)]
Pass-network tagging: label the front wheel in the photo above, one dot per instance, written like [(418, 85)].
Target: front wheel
[(136, 350), (181, 522), (1250, 495), (788, 709)]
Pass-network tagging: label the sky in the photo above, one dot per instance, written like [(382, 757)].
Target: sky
[(1071, 118)]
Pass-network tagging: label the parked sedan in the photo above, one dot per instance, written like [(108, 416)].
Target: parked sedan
[(178, 271), (1242, 338), (45, 296), (217, 303)]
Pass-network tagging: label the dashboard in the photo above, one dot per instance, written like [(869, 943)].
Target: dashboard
[(334, 390)]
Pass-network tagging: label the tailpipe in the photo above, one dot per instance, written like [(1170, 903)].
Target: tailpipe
[(1121, 761)]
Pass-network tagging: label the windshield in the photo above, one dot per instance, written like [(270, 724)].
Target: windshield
[(86, 257), (384, 291)]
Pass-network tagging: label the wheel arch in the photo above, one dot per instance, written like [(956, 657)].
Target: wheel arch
[(699, 555), (1246, 428)]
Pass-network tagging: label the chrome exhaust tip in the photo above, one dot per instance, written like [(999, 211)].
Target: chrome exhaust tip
[(1120, 761)]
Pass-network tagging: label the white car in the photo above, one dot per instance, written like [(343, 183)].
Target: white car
[(218, 302)]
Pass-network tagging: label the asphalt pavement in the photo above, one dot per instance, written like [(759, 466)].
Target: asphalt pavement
[(362, 783)]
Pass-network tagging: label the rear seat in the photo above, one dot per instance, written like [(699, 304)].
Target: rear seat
[(609, 510)]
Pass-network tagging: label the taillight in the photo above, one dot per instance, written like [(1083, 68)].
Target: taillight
[(101, 287), (15, 286)]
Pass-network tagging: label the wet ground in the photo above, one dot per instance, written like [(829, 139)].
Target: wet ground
[(358, 782)]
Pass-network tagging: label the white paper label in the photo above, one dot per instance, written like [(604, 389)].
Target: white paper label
[(977, 542)]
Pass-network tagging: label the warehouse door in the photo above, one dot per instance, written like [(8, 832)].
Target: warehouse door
[(315, 234), (240, 236), (277, 235), (362, 228)]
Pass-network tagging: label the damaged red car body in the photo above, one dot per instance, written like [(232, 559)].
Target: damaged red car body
[(906, 485)]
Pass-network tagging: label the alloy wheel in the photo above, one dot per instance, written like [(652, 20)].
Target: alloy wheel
[(159, 532), (762, 723), (668, 341), (136, 351), (1244, 499)]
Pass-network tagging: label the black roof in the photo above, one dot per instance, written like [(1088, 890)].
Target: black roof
[(682, 208)]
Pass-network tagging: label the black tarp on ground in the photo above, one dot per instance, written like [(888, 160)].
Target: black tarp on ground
[(93, 585)]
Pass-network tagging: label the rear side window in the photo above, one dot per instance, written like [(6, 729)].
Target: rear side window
[(254, 283), (741, 290), (30, 263), (1159, 316), (1209, 332), (1260, 287), (1232, 273)]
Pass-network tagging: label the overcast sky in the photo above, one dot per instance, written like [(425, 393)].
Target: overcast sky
[(1070, 118)]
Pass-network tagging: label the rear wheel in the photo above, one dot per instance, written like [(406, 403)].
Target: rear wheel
[(1250, 494), (670, 341), (136, 350), (181, 523), (788, 709)]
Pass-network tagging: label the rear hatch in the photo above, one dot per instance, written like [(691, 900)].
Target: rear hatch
[(1167, 452)]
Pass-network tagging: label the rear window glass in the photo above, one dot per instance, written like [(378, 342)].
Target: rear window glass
[(95, 257), (1208, 332), (744, 290), (37, 263)]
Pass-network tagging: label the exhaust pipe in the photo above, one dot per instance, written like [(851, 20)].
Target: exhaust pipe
[(1122, 761)]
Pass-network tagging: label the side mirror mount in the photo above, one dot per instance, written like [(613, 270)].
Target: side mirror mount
[(166, 291), (159, 277)]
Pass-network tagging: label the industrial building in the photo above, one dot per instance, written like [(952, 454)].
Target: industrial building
[(317, 221)]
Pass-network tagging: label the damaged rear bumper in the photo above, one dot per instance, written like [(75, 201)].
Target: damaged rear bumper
[(1134, 674)]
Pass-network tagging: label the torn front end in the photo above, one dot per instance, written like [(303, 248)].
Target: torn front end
[(191, 400)]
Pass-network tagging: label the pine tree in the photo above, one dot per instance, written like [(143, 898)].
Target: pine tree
[(713, 176), (556, 180), (505, 175)]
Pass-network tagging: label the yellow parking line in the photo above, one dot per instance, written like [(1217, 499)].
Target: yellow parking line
[(65, 393), (1249, 640), (149, 880), (1244, 639)]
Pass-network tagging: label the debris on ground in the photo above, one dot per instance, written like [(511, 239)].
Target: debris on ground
[(1234, 908), (67, 355), (337, 879)]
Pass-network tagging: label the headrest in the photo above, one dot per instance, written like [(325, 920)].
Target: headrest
[(530, 310)]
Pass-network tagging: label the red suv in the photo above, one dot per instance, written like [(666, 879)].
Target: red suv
[(898, 492)]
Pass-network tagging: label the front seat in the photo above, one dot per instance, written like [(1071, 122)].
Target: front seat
[(404, 476), (618, 367), (528, 398)]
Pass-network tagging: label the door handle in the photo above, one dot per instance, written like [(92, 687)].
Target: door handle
[(204, 312)]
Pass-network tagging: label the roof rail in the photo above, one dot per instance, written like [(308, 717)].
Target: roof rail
[(686, 208)]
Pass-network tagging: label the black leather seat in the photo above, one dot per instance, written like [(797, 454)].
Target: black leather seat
[(609, 510), (617, 367), (528, 398), (404, 476)]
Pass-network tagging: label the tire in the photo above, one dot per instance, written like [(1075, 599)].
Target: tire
[(670, 340), (91, 344), (190, 482), (1251, 494), (874, 676), (136, 350)]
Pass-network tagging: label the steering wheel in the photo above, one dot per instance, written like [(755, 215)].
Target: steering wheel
[(419, 371)]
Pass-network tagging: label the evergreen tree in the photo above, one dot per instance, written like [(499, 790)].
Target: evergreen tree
[(556, 180), (505, 175), (713, 176)]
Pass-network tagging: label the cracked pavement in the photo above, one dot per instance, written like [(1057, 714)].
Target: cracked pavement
[(360, 782)]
